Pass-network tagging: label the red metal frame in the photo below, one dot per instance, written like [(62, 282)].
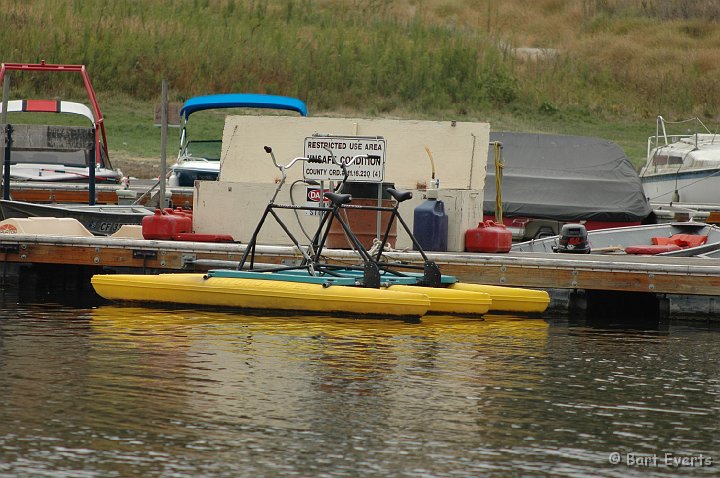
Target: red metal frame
[(99, 120)]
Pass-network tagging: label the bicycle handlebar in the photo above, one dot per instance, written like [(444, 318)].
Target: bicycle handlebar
[(289, 165), (352, 161)]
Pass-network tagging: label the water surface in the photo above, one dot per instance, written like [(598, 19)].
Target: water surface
[(118, 391)]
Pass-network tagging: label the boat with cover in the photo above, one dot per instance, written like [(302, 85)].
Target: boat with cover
[(199, 159), (682, 168), (46, 153), (680, 239), (372, 287), (547, 180)]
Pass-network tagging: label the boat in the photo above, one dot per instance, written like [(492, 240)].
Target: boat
[(682, 168), (73, 157), (48, 153), (101, 220), (710, 255), (678, 239), (372, 287), (547, 180), (199, 159)]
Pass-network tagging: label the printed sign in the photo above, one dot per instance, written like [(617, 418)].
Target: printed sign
[(313, 198), (8, 229), (328, 152)]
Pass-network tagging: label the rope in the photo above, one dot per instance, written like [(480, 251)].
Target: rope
[(388, 248), (499, 166)]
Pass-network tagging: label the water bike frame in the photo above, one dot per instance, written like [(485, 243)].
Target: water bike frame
[(373, 272)]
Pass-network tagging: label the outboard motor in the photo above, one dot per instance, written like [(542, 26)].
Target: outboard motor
[(573, 239)]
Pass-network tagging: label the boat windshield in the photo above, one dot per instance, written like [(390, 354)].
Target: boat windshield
[(76, 158), (207, 149)]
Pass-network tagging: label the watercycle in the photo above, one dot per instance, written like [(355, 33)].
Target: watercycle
[(372, 287)]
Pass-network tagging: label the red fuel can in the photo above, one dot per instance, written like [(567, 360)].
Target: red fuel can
[(489, 236), (165, 224)]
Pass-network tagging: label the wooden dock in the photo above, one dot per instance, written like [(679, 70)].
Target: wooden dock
[(623, 274), (77, 193)]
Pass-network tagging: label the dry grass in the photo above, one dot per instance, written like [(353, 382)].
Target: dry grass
[(137, 166), (615, 56), (558, 62)]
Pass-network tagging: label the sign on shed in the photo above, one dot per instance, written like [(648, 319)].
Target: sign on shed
[(314, 198), (173, 114), (368, 165)]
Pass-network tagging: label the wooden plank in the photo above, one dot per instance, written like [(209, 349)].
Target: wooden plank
[(97, 256), (685, 276), (713, 217), (182, 199), (638, 280), (78, 193), (50, 195)]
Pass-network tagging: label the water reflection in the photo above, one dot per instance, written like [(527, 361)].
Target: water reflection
[(117, 391), (344, 385)]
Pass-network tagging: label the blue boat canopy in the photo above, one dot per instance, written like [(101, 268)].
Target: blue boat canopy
[(242, 100)]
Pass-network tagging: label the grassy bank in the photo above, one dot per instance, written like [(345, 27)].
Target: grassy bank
[(593, 67), (131, 131)]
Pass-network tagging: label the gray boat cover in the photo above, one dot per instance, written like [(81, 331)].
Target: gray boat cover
[(564, 178)]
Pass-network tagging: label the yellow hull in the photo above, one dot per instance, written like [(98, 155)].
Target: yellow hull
[(453, 302), (254, 294), (509, 299)]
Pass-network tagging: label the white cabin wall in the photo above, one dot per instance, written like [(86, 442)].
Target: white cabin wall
[(234, 204), (459, 148)]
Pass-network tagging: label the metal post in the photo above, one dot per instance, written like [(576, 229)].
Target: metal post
[(7, 144), (379, 213), (499, 166), (91, 180), (5, 99), (322, 201), (162, 203), (6, 168)]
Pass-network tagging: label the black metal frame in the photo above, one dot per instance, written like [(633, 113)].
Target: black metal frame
[(372, 265)]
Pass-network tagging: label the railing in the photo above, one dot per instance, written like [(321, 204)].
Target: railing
[(662, 134)]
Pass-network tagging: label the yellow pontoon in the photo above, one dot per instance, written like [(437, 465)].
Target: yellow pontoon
[(448, 301), (509, 299), (254, 294)]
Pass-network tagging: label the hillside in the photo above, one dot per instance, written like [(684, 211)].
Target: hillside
[(592, 67)]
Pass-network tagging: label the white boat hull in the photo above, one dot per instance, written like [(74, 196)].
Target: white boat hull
[(687, 187), (682, 168), (60, 173), (186, 172)]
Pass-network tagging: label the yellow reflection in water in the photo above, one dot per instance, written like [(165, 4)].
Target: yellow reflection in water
[(131, 320), (306, 340), (280, 364)]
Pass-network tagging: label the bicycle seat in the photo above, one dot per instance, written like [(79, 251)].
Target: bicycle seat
[(399, 196), (338, 199)]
